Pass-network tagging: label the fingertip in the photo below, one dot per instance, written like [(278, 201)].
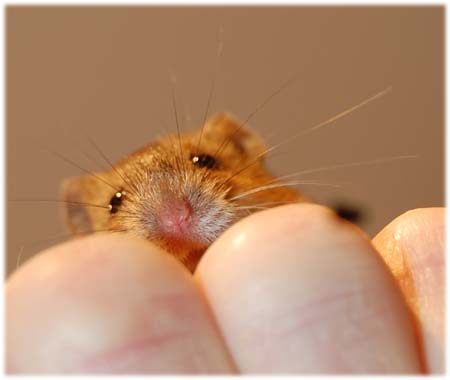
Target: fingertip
[(109, 304), (412, 246), (300, 278), (266, 227), (90, 255)]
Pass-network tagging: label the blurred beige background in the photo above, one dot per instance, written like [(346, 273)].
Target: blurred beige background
[(107, 71)]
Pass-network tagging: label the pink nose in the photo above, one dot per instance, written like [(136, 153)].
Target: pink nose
[(175, 217)]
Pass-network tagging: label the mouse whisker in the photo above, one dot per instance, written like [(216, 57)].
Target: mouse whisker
[(255, 161), (351, 109), (346, 165), (19, 256), (314, 128), (281, 184), (95, 175), (252, 208), (57, 201), (174, 106), (333, 118), (94, 160), (291, 80), (239, 171), (213, 83), (168, 134), (116, 170), (271, 204), (55, 239)]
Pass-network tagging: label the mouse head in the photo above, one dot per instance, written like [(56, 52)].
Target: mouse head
[(180, 193)]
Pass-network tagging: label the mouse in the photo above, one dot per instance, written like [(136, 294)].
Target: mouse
[(181, 191)]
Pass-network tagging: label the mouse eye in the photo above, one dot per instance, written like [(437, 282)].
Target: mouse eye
[(204, 161), (115, 202)]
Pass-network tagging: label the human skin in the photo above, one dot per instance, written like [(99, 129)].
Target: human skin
[(293, 289)]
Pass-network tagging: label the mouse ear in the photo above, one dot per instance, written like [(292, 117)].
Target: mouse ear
[(78, 217), (244, 139)]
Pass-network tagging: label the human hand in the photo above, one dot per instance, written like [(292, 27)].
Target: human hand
[(289, 290)]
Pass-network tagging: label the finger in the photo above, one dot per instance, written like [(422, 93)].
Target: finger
[(413, 248), (109, 304), (297, 290)]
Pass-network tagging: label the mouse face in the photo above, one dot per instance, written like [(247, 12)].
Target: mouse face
[(178, 193)]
